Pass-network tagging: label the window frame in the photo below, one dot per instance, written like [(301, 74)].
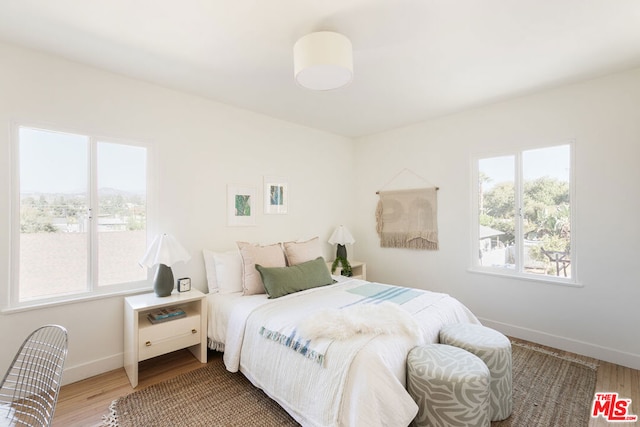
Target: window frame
[(92, 290), (519, 272)]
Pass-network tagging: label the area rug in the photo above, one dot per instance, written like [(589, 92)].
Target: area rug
[(548, 390), (207, 396)]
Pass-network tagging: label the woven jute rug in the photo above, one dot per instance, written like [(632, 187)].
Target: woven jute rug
[(207, 396), (548, 390)]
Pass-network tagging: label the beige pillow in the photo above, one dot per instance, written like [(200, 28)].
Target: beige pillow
[(266, 256), (299, 252)]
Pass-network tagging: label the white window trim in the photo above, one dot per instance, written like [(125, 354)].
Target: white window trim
[(11, 303), (519, 273)]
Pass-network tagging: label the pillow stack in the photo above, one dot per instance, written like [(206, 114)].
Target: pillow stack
[(256, 269)]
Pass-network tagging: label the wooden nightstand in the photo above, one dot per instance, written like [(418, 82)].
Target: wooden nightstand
[(358, 268), (144, 340)]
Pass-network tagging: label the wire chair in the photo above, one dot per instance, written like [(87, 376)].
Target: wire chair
[(29, 389)]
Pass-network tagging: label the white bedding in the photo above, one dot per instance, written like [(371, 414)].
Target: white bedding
[(361, 382)]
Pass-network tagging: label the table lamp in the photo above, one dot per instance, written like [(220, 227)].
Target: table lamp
[(164, 251), (341, 236)]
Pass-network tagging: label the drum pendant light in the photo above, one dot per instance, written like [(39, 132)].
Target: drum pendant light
[(323, 61)]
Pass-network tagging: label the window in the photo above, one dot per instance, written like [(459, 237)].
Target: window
[(80, 222), (523, 213)]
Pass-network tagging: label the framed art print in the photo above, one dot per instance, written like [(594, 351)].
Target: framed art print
[(276, 195), (241, 206)]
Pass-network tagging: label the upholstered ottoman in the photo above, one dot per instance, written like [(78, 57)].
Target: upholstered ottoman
[(450, 386), (495, 351)]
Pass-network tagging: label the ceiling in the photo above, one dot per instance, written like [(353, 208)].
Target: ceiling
[(413, 59)]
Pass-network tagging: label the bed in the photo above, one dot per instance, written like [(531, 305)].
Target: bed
[(358, 380)]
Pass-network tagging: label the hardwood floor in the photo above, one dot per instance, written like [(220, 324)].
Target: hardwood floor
[(85, 402), (624, 381)]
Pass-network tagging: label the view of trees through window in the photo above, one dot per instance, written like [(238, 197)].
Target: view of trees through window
[(82, 213), (525, 223)]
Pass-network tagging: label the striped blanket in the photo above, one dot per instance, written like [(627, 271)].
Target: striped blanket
[(342, 391), (369, 308)]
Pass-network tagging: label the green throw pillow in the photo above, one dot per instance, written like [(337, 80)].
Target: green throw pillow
[(280, 281)]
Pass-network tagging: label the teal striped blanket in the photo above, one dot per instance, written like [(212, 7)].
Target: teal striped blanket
[(308, 322)]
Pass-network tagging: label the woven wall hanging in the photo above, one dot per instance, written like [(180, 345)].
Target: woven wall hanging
[(408, 218)]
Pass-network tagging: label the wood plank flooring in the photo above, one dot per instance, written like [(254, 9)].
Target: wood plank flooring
[(85, 402)]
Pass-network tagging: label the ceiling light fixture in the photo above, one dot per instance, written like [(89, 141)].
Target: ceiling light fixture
[(323, 61)]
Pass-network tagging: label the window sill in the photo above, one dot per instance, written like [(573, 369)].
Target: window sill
[(549, 280), (71, 299)]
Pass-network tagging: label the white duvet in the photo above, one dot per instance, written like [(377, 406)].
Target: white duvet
[(360, 382)]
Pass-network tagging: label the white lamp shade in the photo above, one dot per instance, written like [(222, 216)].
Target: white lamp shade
[(166, 250), (323, 61), (341, 236)]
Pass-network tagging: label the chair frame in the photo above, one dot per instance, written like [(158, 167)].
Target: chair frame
[(29, 390)]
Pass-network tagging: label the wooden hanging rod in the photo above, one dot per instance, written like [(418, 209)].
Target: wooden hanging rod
[(437, 188)]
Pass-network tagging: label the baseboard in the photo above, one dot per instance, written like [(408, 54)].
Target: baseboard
[(86, 370), (622, 358)]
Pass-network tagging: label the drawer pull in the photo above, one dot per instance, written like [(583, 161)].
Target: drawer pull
[(148, 343), (194, 331)]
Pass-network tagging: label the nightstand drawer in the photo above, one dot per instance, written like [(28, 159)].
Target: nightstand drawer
[(162, 338)]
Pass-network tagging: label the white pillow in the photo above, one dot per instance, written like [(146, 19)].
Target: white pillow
[(210, 269), (299, 252), (224, 271), (266, 256)]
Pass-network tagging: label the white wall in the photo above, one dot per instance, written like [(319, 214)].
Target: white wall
[(200, 146), (601, 318)]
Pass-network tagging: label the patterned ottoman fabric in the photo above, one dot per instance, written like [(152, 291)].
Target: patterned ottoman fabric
[(495, 351), (450, 386)]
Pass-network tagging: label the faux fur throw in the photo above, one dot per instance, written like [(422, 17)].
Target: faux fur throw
[(372, 319), (408, 219)]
